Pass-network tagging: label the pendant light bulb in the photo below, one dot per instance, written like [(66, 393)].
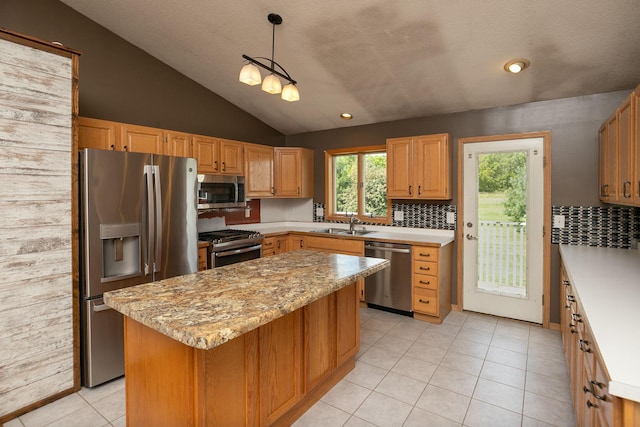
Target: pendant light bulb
[(290, 93), (249, 74), (271, 84)]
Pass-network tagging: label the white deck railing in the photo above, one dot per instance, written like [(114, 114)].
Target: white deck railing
[(502, 254)]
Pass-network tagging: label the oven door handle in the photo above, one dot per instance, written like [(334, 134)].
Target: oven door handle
[(238, 251)]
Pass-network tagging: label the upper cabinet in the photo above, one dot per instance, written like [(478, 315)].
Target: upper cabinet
[(108, 135), (258, 168), (619, 154), (418, 167), (218, 156), (293, 174)]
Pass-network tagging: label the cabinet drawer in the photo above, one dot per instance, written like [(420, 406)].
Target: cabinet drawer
[(425, 301), (421, 253), (268, 244), (425, 267), (335, 245), (425, 281)]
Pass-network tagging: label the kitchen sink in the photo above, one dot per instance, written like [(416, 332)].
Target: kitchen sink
[(356, 232), (331, 231)]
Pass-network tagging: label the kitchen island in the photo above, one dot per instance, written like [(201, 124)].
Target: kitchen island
[(254, 343)]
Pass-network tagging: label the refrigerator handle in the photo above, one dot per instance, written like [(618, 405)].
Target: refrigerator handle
[(158, 193), (148, 174)]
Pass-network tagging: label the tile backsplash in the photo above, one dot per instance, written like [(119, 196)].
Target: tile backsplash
[(419, 215), (604, 226)]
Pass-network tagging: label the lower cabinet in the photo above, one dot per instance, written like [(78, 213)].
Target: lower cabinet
[(275, 245), (202, 256), (593, 405), (431, 282)]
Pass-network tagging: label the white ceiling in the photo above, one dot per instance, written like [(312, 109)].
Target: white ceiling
[(385, 60)]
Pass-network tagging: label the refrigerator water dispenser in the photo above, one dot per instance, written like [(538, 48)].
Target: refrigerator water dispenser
[(120, 251)]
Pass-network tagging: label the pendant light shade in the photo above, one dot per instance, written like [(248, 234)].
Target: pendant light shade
[(290, 93), (271, 84), (249, 74)]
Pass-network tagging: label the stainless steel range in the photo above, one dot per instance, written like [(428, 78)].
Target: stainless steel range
[(229, 246)]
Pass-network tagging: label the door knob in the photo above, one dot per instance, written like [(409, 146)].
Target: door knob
[(470, 237)]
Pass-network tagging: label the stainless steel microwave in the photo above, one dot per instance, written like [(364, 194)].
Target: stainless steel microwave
[(221, 191)]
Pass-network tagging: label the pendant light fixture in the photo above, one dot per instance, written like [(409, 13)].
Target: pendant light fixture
[(250, 74)]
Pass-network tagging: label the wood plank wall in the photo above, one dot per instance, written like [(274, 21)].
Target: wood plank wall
[(36, 285)]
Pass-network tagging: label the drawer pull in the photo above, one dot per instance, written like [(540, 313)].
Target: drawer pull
[(571, 298), (594, 384), (576, 317), (592, 405), (425, 268), (424, 283), (572, 328), (423, 301), (427, 254), (566, 282)]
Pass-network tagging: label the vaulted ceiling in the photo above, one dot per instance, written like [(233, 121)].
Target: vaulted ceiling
[(383, 60)]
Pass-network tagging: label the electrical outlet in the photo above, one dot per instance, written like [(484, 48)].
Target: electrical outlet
[(398, 215), (319, 211), (558, 221), (451, 218)]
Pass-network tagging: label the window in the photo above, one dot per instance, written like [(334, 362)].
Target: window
[(356, 184)]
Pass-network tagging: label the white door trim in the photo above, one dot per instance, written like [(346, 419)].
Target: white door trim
[(547, 214)]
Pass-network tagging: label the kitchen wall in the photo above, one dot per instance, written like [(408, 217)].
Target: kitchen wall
[(573, 123), (121, 82)]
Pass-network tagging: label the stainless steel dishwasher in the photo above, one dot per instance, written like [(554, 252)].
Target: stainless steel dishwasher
[(390, 288)]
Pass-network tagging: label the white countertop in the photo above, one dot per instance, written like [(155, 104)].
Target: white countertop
[(413, 235), (607, 282)]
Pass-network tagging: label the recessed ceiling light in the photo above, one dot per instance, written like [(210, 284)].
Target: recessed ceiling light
[(346, 116), (516, 65)]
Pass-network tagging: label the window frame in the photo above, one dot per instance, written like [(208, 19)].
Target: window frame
[(329, 185)]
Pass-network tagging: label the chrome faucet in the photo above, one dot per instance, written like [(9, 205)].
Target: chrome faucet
[(352, 222)]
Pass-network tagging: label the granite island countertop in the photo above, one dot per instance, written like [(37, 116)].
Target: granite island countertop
[(211, 307)]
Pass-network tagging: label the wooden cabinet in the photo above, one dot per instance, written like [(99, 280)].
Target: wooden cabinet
[(419, 167), (108, 135), (275, 245), (297, 242), (293, 173), (99, 134), (593, 405), (218, 156), (431, 282), (202, 256), (258, 168), (619, 154)]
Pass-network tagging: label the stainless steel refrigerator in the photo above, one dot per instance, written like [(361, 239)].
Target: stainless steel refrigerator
[(138, 224)]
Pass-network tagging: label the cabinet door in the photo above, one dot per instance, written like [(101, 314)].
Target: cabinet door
[(288, 179), (625, 157), (205, 150), (612, 157), (319, 340), (231, 157), (603, 163), (280, 366), (258, 166), (431, 160), (281, 245), (347, 319), (636, 147), (297, 242), (400, 168), (177, 144), (94, 133), (141, 139)]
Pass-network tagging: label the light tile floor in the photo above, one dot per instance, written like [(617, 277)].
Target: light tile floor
[(473, 370)]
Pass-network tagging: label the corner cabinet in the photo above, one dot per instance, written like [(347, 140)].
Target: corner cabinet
[(431, 282), (418, 167), (293, 174), (39, 360)]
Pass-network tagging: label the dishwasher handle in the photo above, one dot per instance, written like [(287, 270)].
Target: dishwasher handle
[(384, 249)]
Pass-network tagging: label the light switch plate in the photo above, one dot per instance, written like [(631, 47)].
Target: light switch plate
[(558, 221), (247, 212), (398, 215), (319, 211), (451, 218)]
